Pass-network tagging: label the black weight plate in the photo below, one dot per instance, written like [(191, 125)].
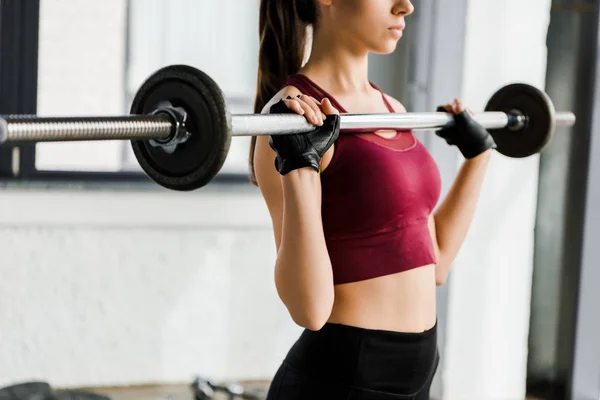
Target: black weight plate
[(26, 391), (540, 125), (196, 162)]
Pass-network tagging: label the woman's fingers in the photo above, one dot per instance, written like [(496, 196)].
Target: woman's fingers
[(301, 107), (315, 106), (293, 105), (456, 107), (314, 112), (327, 107)]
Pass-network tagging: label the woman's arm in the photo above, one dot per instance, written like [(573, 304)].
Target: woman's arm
[(303, 272), (451, 221)]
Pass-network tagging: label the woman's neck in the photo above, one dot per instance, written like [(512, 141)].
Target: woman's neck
[(339, 67)]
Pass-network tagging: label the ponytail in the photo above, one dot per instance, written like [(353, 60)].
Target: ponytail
[(282, 29)]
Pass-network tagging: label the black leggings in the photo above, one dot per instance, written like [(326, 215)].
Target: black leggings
[(341, 362)]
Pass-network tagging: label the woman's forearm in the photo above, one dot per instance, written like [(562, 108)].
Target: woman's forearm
[(454, 216), (303, 273)]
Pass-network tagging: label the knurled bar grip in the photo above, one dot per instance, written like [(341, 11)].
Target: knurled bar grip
[(32, 129), (160, 127)]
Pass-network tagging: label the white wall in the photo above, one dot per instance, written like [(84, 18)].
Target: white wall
[(491, 279), (125, 288)]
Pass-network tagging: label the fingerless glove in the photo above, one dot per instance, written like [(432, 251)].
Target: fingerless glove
[(304, 149), (468, 135)]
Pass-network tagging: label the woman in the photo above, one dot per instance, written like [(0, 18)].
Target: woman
[(359, 246)]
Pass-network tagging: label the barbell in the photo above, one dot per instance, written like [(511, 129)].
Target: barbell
[(180, 128)]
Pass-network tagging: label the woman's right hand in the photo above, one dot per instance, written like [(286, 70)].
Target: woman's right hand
[(306, 149)]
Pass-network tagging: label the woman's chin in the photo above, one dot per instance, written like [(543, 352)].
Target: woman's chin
[(386, 48)]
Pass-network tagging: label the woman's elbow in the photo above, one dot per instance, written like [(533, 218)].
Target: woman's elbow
[(312, 318), (440, 280), (312, 323), (441, 274)]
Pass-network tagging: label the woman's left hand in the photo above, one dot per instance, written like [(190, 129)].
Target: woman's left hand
[(467, 134)]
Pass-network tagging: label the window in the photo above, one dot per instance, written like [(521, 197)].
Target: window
[(93, 56)]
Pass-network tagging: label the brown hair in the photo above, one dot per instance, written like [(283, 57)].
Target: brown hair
[(282, 29)]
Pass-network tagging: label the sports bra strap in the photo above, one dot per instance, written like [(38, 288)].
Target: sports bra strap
[(385, 100)]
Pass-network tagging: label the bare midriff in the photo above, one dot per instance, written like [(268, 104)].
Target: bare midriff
[(402, 302)]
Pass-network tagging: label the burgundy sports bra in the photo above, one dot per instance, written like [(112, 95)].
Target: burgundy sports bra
[(377, 195)]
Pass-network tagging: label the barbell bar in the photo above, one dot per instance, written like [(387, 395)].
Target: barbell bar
[(180, 128), (23, 129)]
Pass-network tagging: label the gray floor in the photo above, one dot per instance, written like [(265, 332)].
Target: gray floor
[(172, 392), (162, 392)]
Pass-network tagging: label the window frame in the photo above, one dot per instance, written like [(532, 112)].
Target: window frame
[(19, 69), (19, 23)]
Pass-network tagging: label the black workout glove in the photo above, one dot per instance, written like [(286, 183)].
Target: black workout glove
[(304, 149), (467, 134)]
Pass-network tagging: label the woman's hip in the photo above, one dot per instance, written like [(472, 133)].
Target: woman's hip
[(341, 361)]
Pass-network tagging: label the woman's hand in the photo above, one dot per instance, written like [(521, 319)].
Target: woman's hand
[(467, 134), (306, 149)]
